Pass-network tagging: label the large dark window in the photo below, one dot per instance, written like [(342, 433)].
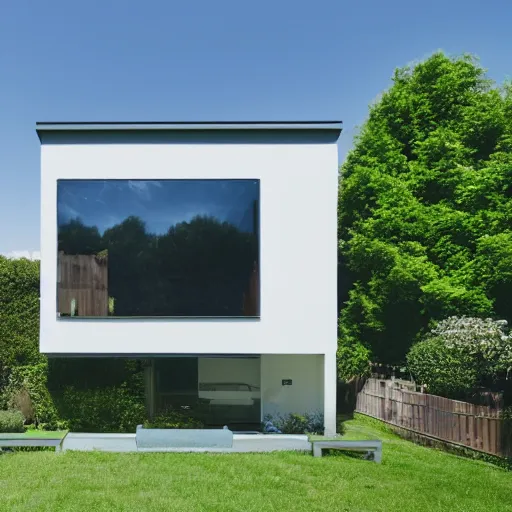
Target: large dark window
[(149, 248)]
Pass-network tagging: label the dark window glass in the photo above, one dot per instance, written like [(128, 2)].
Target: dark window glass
[(182, 248)]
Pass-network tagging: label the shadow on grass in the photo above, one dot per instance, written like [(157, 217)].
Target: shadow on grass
[(347, 454)]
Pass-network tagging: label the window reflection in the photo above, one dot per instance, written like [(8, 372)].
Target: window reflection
[(158, 248)]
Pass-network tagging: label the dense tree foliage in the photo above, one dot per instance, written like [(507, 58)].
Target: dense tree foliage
[(425, 208)]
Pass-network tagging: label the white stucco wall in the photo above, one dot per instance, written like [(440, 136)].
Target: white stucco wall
[(306, 394), (298, 195)]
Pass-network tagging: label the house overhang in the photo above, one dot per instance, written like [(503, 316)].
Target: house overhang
[(259, 132)]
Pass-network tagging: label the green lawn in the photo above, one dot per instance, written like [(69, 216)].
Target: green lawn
[(411, 478)]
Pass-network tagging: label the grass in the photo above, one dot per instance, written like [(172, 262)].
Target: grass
[(411, 478)]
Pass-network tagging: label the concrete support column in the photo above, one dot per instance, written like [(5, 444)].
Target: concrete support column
[(149, 387), (330, 384)]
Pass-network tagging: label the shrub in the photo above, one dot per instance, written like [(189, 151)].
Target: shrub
[(307, 423), (270, 428), (11, 421), (20, 401), (113, 409), (27, 391), (461, 353), (486, 340), (174, 419), (445, 371)]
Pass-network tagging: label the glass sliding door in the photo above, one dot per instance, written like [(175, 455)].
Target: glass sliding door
[(229, 389), (175, 383), (217, 390)]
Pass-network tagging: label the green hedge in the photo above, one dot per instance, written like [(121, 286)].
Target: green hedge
[(27, 391), (115, 409), (19, 315), (83, 373), (174, 419), (98, 394), (84, 394), (83, 406)]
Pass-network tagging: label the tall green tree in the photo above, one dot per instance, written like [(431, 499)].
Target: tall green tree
[(425, 208)]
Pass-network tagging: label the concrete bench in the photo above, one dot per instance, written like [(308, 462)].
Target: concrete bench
[(155, 439), (360, 446), (17, 441)]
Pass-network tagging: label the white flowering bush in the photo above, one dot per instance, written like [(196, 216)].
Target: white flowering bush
[(486, 339), (460, 354)]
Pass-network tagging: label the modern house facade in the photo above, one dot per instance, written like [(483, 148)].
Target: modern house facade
[(207, 249)]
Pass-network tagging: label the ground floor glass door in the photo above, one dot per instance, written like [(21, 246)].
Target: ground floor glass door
[(218, 390)]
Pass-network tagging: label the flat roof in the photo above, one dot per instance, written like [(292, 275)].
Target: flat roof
[(128, 128), (188, 125)]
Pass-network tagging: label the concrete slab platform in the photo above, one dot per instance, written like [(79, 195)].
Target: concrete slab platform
[(242, 443), (100, 442), (270, 442)]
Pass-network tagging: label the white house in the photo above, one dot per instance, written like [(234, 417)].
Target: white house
[(207, 249)]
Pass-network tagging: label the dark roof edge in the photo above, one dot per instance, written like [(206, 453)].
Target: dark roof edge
[(225, 132), (141, 124), (42, 127)]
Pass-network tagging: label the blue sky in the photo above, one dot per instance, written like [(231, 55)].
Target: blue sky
[(203, 60)]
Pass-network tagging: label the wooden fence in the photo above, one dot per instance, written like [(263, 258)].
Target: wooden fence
[(474, 426), (82, 281)]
